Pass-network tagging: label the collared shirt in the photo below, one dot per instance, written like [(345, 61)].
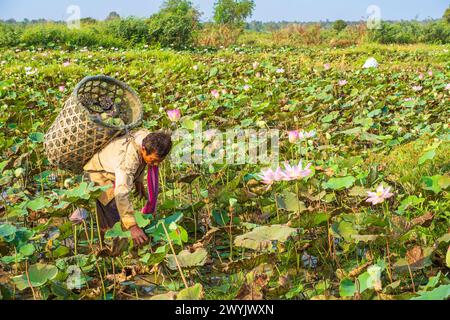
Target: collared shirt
[(120, 163)]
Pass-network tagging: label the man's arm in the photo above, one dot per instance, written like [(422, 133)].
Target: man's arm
[(139, 185), (124, 183)]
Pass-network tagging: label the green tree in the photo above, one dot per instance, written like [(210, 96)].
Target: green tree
[(88, 20), (339, 25), (446, 16), (175, 24), (131, 29), (233, 12), (112, 16)]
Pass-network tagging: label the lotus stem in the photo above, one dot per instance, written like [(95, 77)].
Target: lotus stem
[(101, 280), (231, 234), (87, 236), (114, 277), (277, 208), (412, 278), (91, 229), (29, 281), (98, 231), (388, 253), (298, 199), (75, 239), (175, 256)]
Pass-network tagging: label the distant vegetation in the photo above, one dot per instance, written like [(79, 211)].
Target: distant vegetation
[(178, 25), (355, 207)]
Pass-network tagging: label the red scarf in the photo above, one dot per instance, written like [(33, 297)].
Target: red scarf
[(153, 189)]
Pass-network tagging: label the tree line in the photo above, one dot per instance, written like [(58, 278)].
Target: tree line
[(177, 24)]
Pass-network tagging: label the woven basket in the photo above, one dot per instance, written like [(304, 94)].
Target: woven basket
[(78, 133)]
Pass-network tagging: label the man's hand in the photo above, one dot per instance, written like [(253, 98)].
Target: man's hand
[(138, 235), (141, 191)]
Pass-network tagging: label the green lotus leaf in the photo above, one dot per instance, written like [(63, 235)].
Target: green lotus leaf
[(440, 293), (7, 230), (186, 259), (191, 293), (340, 183), (38, 275), (262, 237)]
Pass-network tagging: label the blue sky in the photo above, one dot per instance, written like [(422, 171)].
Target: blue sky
[(266, 10)]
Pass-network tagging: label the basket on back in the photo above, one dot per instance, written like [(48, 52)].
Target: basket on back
[(80, 130)]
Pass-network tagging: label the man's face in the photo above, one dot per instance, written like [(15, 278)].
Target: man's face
[(151, 158)]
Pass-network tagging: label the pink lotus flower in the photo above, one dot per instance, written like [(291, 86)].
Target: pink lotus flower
[(270, 176), (379, 195), (289, 173), (215, 94), (293, 136), (78, 216), (342, 83), (327, 66), (302, 135), (417, 88), (309, 134), (174, 115), (61, 88), (296, 172)]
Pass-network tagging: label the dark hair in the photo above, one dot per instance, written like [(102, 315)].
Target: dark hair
[(161, 142)]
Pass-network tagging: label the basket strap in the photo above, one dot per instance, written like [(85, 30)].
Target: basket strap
[(128, 134), (130, 138)]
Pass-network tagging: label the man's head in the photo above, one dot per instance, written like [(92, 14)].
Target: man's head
[(155, 147)]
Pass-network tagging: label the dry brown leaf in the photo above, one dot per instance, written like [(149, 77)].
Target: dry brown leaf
[(284, 281), (4, 278), (414, 255), (120, 277), (329, 172), (384, 296), (253, 290), (423, 220), (401, 223), (203, 242), (358, 270), (324, 297), (405, 225), (248, 293), (247, 263), (256, 282)]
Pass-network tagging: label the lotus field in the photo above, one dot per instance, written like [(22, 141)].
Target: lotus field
[(356, 206)]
